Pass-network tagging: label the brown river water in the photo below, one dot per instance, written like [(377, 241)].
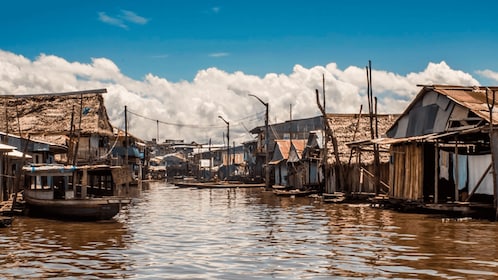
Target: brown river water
[(183, 233)]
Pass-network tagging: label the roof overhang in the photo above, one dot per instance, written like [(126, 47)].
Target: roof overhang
[(6, 148)]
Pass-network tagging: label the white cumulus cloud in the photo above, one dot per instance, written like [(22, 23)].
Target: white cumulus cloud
[(189, 109)]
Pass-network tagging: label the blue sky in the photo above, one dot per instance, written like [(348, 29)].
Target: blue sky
[(187, 62), (175, 39)]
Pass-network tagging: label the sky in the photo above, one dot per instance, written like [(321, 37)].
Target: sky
[(178, 65)]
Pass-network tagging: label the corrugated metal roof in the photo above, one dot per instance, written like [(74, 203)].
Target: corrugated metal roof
[(429, 114), (284, 147), (473, 98), (299, 145)]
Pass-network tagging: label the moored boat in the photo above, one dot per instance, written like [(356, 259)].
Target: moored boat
[(293, 192), (51, 191)]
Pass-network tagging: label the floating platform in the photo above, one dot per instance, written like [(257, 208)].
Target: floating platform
[(335, 197)]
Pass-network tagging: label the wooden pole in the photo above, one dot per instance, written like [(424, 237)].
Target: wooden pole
[(372, 108), (75, 157), (436, 173), (17, 184), (494, 149), (127, 185), (6, 121), (330, 136), (358, 150), (376, 150), (457, 175), (323, 93), (70, 146), (483, 176), (228, 150), (354, 134)]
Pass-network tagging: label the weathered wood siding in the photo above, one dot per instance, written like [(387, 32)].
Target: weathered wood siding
[(407, 171), (353, 182)]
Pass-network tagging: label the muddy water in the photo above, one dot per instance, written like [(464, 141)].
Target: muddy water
[(173, 233)]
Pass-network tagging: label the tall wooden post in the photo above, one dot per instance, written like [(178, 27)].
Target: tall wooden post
[(493, 135), (457, 174), (494, 156), (228, 145), (436, 173), (126, 149)]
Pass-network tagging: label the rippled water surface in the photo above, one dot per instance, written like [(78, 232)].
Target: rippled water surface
[(182, 233)]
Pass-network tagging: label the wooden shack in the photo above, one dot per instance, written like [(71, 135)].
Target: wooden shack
[(442, 150), (295, 165), (279, 162), (291, 129), (77, 120), (311, 161), (355, 170), (285, 156)]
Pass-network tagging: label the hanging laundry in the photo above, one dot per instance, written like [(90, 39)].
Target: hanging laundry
[(477, 165), (460, 170), (444, 165)]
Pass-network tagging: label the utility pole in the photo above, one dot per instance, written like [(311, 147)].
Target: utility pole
[(157, 131), (126, 148), (210, 160), (267, 143), (228, 145)]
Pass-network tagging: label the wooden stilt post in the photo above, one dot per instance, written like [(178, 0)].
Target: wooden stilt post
[(457, 173), (436, 173), (494, 149)]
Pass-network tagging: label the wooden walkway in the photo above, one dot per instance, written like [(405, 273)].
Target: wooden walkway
[(7, 211)]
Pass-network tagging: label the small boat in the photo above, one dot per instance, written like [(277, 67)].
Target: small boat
[(50, 192), (293, 192)]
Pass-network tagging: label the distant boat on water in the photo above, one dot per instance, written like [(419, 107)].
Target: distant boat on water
[(293, 192)]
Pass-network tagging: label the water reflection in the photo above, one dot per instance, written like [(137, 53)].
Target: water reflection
[(42, 248), (181, 233)]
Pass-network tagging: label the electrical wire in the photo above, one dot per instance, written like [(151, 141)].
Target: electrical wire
[(204, 126)]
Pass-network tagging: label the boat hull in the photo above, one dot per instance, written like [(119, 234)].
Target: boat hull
[(294, 192), (75, 209)]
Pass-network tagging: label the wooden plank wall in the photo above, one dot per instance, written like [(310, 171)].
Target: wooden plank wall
[(352, 180), (407, 171)]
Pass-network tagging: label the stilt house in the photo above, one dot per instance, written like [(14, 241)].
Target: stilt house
[(77, 120), (443, 149), (311, 161), (355, 169), (295, 164), (281, 167)]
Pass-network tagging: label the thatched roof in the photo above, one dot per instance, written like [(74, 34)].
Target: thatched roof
[(48, 117), (344, 126)]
